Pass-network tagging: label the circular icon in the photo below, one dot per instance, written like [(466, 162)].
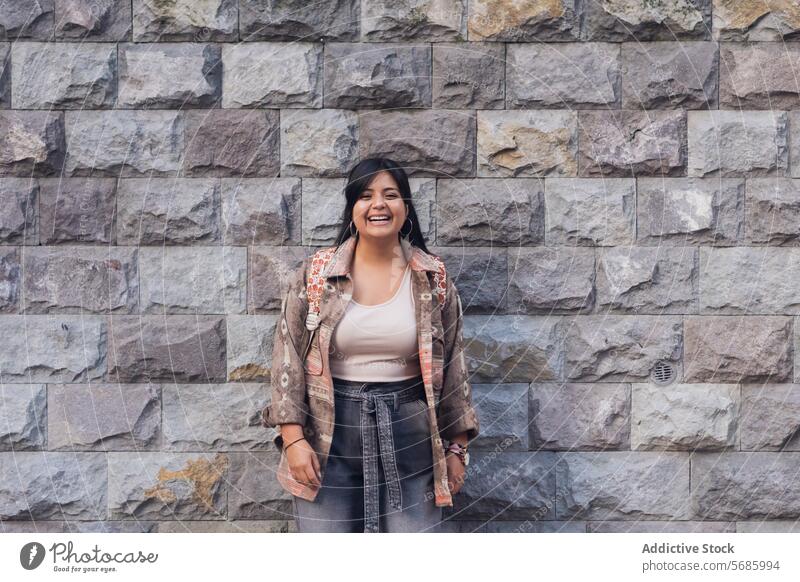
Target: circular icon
[(31, 555)]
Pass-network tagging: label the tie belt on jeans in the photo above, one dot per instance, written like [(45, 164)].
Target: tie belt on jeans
[(376, 436)]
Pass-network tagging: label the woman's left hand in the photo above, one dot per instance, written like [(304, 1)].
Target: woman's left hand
[(456, 473)]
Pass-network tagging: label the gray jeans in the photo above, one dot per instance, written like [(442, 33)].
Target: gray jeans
[(379, 474)]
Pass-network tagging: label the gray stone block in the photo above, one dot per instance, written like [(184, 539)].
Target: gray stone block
[(770, 21), (770, 417), (22, 19), (318, 143), (261, 211), (19, 215), (469, 76), (377, 75), (619, 348), (492, 212), (169, 75), (166, 211), (551, 280), (63, 75), (23, 417), (254, 490), (10, 279), (750, 348), (250, 347), (425, 142), (632, 143), (503, 415), (759, 76), (79, 279), (570, 416), (620, 486), (432, 21), (772, 211), (619, 20), (31, 143), (185, 20), (269, 271), (299, 20), (480, 275), (104, 417), (563, 76), (108, 20), (176, 348), (322, 207), (537, 21), (77, 210)]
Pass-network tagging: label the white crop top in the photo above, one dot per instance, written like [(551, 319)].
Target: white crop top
[(377, 343)]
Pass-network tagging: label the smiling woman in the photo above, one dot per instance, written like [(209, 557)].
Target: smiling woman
[(364, 410)]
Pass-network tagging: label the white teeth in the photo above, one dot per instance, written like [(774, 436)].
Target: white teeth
[(379, 219)]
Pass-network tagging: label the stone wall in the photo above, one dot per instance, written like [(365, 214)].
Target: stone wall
[(612, 183)]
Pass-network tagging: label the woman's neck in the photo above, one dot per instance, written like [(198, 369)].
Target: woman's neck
[(378, 253)]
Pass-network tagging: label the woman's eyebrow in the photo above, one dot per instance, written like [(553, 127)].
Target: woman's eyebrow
[(387, 188)]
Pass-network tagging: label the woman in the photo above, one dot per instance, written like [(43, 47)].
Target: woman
[(369, 383)]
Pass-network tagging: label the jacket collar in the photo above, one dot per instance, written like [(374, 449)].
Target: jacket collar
[(343, 256)]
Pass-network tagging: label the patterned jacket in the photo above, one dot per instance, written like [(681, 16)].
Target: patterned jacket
[(302, 387)]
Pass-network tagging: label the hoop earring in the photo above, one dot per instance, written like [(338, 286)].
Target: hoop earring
[(350, 230), (405, 235)]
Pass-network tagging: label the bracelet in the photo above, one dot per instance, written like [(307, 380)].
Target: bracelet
[(291, 443)]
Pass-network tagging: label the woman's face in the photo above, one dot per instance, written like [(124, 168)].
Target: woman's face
[(381, 198)]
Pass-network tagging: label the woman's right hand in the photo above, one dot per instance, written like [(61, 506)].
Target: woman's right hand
[(303, 463)]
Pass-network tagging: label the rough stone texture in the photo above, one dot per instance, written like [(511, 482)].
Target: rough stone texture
[(323, 204), (5, 75), (425, 142), (632, 143), (684, 417), (250, 347), (157, 485), (735, 143), (759, 76), (738, 349), (774, 20), (509, 348), (512, 485), (108, 20), (19, 222), (103, 417), (53, 348), (261, 212), (689, 211), (503, 414), (363, 76), (298, 20), (647, 280), (174, 348), (232, 142), (588, 212), (182, 20), (563, 76), (213, 417), (40, 485), (618, 20), (31, 143), (527, 143), (251, 496), (159, 211), (512, 526), (772, 211), (169, 75), (79, 279), (670, 75), (272, 75), (490, 212), (551, 280), (480, 274), (77, 210), (269, 270), (10, 279), (23, 417), (579, 416), (330, 153), (63, 75), (619, 348), (732, 486), (507, 20), (770, 417), (423, 20), (794, 144), (747, 280), (193, 279), (622, 486), (468, 77), (124, 143), (23, 19), (665, 527)]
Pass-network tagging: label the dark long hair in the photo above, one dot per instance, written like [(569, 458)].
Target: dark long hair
[(359, 179)]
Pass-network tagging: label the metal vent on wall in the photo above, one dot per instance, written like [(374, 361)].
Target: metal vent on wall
[(663, 373)]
